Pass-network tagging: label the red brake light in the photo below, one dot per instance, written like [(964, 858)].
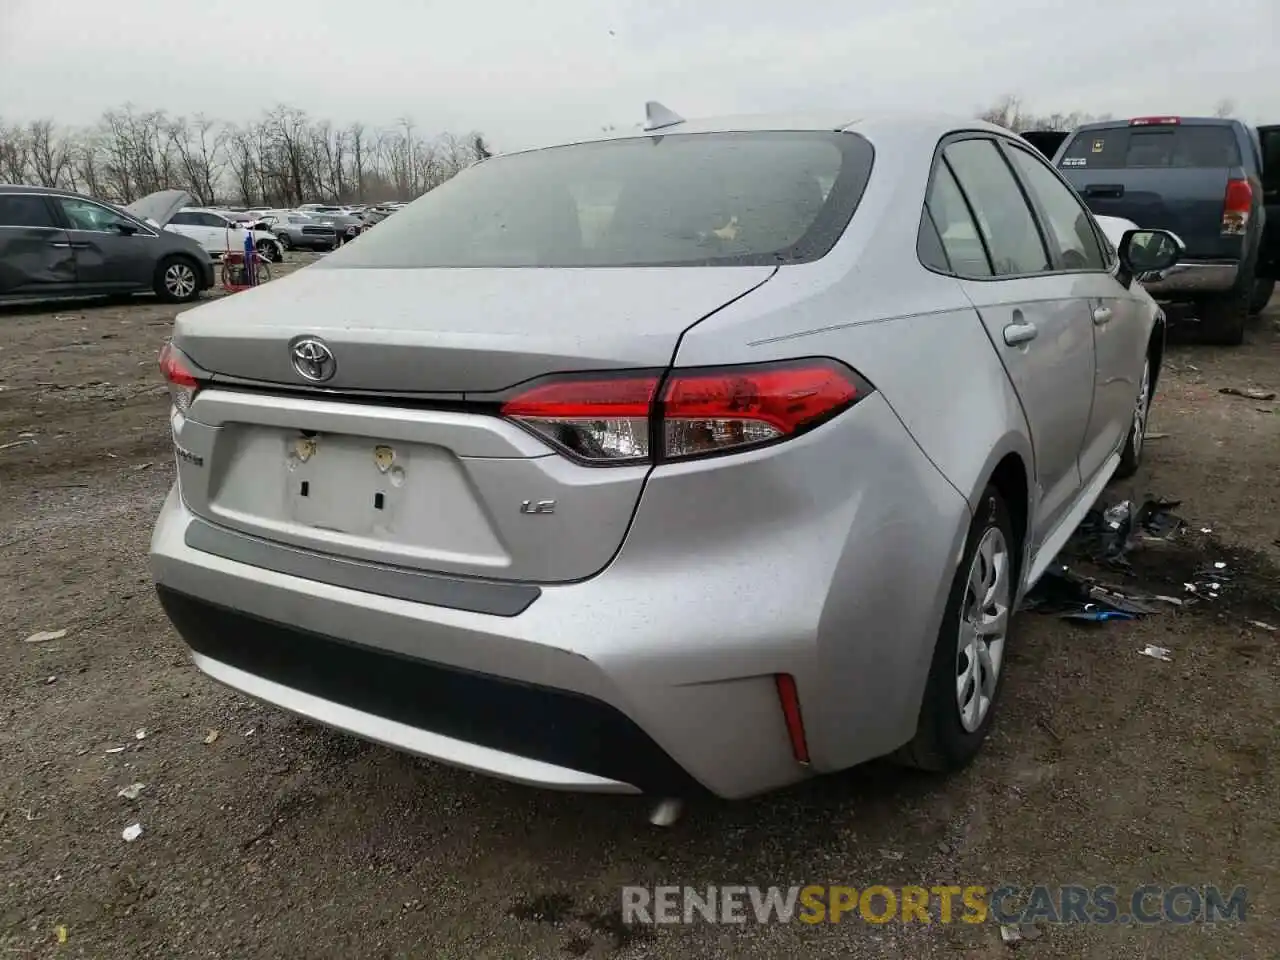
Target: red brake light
[(616, 419), (1154, 121), (181, 375), (1236, 207), (711, 411)]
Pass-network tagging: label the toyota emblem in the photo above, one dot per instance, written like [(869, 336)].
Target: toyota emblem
[(313, 359)]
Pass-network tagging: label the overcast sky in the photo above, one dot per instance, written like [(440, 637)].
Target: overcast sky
[(527, 72)]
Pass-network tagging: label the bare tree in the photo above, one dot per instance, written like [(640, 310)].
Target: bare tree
[(282, 159), (1011, 113), (49, 154), (15, 154), (1226, 107)]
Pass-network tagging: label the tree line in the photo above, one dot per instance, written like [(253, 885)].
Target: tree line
[(283, 159), (288, 157)]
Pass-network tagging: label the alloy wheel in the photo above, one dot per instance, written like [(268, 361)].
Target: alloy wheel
[(180, 280), (984, 625)]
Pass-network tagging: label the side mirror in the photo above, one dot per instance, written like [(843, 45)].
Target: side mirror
[(127, 229), (1149, 251)]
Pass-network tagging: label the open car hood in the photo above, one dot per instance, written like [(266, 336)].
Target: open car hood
[(160, 207)]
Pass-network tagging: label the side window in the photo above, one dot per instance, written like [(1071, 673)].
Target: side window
[(183, 219), (87, 215), (206, 220), (958, 234), (1064, 215), (25, 210), (1003, 216)]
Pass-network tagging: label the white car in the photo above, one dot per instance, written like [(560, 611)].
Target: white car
[(218, 233)]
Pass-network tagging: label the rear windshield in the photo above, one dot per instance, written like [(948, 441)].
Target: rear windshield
[(674, 200), (1122, 148)]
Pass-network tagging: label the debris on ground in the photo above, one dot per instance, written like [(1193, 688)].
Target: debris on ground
[(132, 791), (1157, 653), (132, 832), (44, 636), (1249, 393), (60, 932), (1013, 933), (1065, 594), (115, 750), (211, 736), (140, 733), (1209, 582), (1108, 533), (1154, 436), (50, 680), (1262, 626), (16, 443)]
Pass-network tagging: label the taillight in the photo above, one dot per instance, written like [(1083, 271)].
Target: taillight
[(1154, 121), (645, 417), (182, 376), (1236, 207)]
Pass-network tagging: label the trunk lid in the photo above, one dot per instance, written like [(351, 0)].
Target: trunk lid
[(456, 331), (396, 483), (1167, 176), (160, 207)]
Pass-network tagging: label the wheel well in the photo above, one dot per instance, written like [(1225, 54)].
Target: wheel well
[(1010, 478)]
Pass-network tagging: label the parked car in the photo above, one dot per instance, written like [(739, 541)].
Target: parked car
[(1201, 178), (738, 486), (346, 225), (219, 232), (299, 231), (55, 243)]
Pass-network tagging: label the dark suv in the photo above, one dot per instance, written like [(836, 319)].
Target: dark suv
[(1204, 179)]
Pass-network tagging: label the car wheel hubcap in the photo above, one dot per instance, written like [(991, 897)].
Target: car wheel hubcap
[(984, 623), (180, 280), (1141, 407)]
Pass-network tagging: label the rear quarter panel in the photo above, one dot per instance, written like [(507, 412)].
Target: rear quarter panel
[(914, 335)]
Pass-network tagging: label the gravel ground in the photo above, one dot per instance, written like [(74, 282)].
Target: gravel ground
[(277, 838)]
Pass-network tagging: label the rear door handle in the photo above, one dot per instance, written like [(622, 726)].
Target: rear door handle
[(1101, 315), (60, 244), (79, 246), (1017, 333)]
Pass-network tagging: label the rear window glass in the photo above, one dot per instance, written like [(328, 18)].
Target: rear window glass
[(674, 200), (1122, 148)]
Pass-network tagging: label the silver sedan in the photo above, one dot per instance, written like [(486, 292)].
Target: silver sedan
[(710, 457)]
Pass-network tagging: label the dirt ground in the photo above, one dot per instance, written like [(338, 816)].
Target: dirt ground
[(283, 839)]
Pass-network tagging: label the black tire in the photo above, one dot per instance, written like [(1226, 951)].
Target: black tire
[(285, 242), (271, 251), (941, 743), (1223, 317), (177, 279), (1262, 291), (1135, 442)]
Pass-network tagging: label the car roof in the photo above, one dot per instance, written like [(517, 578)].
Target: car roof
[(56, 191), (928, 127)]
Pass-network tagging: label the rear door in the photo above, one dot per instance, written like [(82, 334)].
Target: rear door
[(107, 257), (1269, 256), (1167, 175), (36, 258), (1037, 320), (1121, 325)]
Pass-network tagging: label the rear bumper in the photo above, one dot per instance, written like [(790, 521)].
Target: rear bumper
[(1193, 278), (827, 558), (472, 720)]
